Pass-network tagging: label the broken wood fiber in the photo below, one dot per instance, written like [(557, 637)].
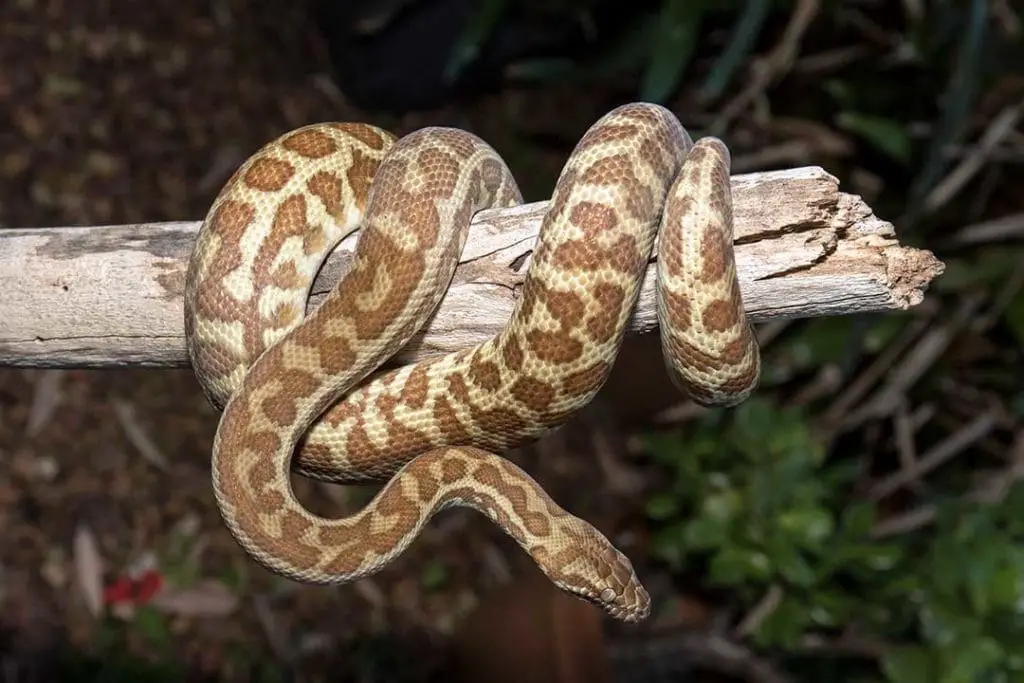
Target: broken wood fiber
[(111, 296)]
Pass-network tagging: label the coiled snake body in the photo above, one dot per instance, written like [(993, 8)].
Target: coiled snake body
[(295, 391)]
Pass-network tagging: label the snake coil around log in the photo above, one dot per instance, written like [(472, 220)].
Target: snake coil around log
[(303, 393)]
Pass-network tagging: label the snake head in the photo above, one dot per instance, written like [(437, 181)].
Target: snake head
[(584, 563)]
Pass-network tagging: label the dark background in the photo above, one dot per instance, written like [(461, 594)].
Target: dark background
[(116, 111)]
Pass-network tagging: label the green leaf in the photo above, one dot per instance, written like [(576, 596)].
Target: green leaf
[(968, 660), (842, 92), (833, 608), (1014, 661), (625, 54), (885, 329), (544, 70), (706, 533), (478, 30), (979, 570), (821, 340), (733, 566), (908, 665), (858, 519), (686, 453), (785, 625), (152, 626), (434, 575), (795, 568), (809, 527), (663, 447), (1012, 508), (989, 266), (662, 506), (944, 621), (722, 506), (946, 577), (672, 44), (886, 135), (669, 545), (882, 556), (957, 102), (754, 423), (1004, 589), (744, 35)]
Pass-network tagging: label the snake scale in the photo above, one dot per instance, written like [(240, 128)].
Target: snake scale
[(305, 393)]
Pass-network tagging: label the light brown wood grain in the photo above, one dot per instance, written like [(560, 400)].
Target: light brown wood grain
[(111, 296)]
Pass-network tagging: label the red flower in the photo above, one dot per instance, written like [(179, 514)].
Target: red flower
[(135, 590)]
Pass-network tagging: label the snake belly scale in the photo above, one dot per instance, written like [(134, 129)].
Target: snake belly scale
[(301, 394)]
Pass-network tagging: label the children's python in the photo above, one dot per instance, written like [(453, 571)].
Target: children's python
[(297, 392)]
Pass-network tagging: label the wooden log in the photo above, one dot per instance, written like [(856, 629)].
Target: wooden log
[(109, 296)]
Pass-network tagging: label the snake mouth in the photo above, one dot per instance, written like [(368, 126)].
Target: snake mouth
[(629, 604)]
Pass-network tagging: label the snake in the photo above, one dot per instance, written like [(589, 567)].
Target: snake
[(307, 393)]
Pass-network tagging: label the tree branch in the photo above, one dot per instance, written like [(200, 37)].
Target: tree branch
[(110, 296)]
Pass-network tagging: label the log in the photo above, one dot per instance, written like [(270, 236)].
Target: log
[(111, 296)]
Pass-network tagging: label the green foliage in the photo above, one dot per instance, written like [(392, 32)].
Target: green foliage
[(968, 38), (751, 499), (886, 134), (659, 46), (673, 41), (946, 58), (752, 504), (988, 267), (970, 597), (477, 31), (434, 575), (822, 341), (747, 29), (111, 662)]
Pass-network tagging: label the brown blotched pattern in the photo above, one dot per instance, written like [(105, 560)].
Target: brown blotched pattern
[(707, 344), (431, 427)]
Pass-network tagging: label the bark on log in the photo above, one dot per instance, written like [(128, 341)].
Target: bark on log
[(110, 296)]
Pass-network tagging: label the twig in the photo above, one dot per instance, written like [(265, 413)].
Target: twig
[(929, 348), (834, 415), (904, 432), (608, 445), (138, 437), (845, 644), (1006, 295), (112, 296), (826, 382), (992, 492), (1000, 127), (831, 60), (914, 9), (45, 400), (938, 455), (682, 651), (1003, 228), (275, 636), (1008, 19), (772, 67), (768, 603)]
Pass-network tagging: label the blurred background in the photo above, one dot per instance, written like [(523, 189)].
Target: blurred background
[(858, 520)]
